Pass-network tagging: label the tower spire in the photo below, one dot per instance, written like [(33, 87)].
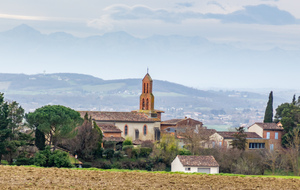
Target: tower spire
[(147, 98)]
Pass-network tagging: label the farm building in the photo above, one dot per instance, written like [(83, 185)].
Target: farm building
[(200, 164)]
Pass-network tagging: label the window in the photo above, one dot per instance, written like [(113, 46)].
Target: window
[(220, 144), (126, 130), (147, 88), (276, 135), (145, 130), (144, 87), (268, 135), (213, 144), (137, 134), (143, 104), (271, 146), (187, 169), (256, 145), (147, 104)]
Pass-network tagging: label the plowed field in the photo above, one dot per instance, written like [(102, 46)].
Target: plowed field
[(54, 178)]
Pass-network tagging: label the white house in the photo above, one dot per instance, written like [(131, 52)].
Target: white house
[(200, 164)]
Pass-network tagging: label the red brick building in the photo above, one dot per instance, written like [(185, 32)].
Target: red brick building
[(271, 131)]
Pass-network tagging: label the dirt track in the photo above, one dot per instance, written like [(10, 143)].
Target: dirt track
[(54, 178)]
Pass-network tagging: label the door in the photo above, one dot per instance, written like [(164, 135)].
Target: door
[(137, 134), (204, 170)]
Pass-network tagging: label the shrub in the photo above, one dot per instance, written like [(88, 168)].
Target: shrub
[(135, 152), (147, 143), (24, 161), (116, 165), (128, 150), (107, 166), (60, 159), (118, 155), (109, 144), (109, 153), (127, 141), (145, 151), (86, 165), (57, 158), (184, 151), (118, 147)]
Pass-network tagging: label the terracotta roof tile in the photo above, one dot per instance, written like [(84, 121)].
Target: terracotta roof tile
[(118, 116), (271, 126), (185, 121), (171, 121), (116, 139), (229, 135), (206, 161), (108, 128)]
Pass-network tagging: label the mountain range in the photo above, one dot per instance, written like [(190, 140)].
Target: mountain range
[(190, 60)]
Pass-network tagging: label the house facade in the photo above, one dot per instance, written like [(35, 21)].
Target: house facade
[(224, 139), (271, 131), (173, 124), (110, 132), (192, 164)]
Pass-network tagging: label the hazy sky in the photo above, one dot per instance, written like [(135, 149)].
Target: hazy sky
[(251, 24)]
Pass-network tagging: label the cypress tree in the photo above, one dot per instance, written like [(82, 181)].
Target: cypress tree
[(39, 139), (269, 110), (294, 100), (5, 131)]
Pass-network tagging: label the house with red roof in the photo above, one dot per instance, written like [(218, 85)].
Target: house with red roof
[(191, 164), (223, 139), (271, 131)]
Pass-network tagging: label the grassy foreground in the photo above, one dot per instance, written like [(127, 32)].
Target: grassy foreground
[(18, 177)]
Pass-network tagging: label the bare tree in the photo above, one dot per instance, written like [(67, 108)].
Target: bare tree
[(292, 151), (194, 137), (85, 143), (272, 159)]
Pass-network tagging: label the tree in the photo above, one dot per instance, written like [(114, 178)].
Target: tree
[(289, 116), (193, 136), (17, 138), (166, 150), (56, 122), (269, 110), (292, 151), (39, 139), (87, 141), (5, 132), (239, 141)]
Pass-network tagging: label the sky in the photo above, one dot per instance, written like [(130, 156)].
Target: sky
[(246, 24)]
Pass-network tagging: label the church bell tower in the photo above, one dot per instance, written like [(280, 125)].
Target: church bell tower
[(147, 98)]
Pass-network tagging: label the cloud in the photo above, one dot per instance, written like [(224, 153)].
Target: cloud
[(185, 4), (38, 18), (260, 14), (216, 4), (22, 17), (124, 12)]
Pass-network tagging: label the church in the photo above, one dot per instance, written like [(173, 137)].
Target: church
[(139, 125)]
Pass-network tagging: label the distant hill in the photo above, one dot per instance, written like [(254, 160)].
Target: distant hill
[(85, 92)]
